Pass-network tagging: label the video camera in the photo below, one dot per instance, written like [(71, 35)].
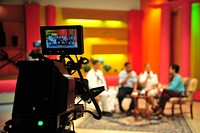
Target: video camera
[(45, 91)]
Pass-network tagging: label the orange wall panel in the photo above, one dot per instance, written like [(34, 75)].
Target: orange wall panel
[(151, 29)]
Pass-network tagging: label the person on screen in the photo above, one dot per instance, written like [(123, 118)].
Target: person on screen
[(51, 40), (70, 39), (63, 39), (58, 39)]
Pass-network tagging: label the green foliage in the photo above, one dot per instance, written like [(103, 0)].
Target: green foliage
[(86, 68), (107, 67)]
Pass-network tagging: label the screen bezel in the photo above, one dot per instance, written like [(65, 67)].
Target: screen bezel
[(62, 51)]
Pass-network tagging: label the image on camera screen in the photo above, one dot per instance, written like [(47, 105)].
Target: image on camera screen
[(62, 38)]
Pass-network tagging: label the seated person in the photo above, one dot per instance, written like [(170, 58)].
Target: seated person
[(51, 40), (70, 39), (127, 79), (63, 40), (174, 89), (58, 39), (149, 82), (107, 97)]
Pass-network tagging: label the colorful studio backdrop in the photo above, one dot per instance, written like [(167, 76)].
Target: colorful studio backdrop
[(160, 33)]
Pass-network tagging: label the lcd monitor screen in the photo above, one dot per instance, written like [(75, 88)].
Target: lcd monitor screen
[(57, 40)]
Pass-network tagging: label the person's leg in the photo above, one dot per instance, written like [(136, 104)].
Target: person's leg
[(152, 93), (151, 101), (132, 105), (54, 42), (111, 99), (163, 100), (166, 94), (104, 101), (120, 96), (68, 41), (105, 104)]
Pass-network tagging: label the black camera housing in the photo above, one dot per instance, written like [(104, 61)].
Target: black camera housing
[(42, 94)]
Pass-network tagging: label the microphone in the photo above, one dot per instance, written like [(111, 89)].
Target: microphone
[(148, 72)]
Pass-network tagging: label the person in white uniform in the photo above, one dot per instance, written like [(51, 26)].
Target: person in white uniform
[(96, 78), (149, 82)]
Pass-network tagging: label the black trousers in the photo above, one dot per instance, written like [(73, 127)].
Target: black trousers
[(166, 95), (123, 91)]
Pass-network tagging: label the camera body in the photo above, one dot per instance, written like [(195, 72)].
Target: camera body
[(43, 94), (45, 90)]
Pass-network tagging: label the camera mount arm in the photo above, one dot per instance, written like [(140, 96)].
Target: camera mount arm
[(97, 116)]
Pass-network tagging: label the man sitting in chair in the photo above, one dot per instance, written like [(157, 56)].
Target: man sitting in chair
[(107, 97), (149, 82), (127, 79)]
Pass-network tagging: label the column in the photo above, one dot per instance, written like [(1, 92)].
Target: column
[(51, 21), (32, 18), (135, 39), (185, 38), (50, 15), (165, 44)]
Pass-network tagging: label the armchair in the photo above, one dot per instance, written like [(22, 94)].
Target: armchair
[(190, 88)]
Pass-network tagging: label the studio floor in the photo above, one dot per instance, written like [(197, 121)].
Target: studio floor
[(193, 123), (6, 110)]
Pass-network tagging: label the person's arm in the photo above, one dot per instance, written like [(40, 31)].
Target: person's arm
[(134, 79), (156, 80), (135, 87), (143, 84), (103, 81), (123, 82), (155, 85), (121, 79), (90, 79)]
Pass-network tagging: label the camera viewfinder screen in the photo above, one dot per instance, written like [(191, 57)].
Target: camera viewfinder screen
[(61, 38)]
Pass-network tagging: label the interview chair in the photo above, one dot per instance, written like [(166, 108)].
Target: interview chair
[(190, 88)]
